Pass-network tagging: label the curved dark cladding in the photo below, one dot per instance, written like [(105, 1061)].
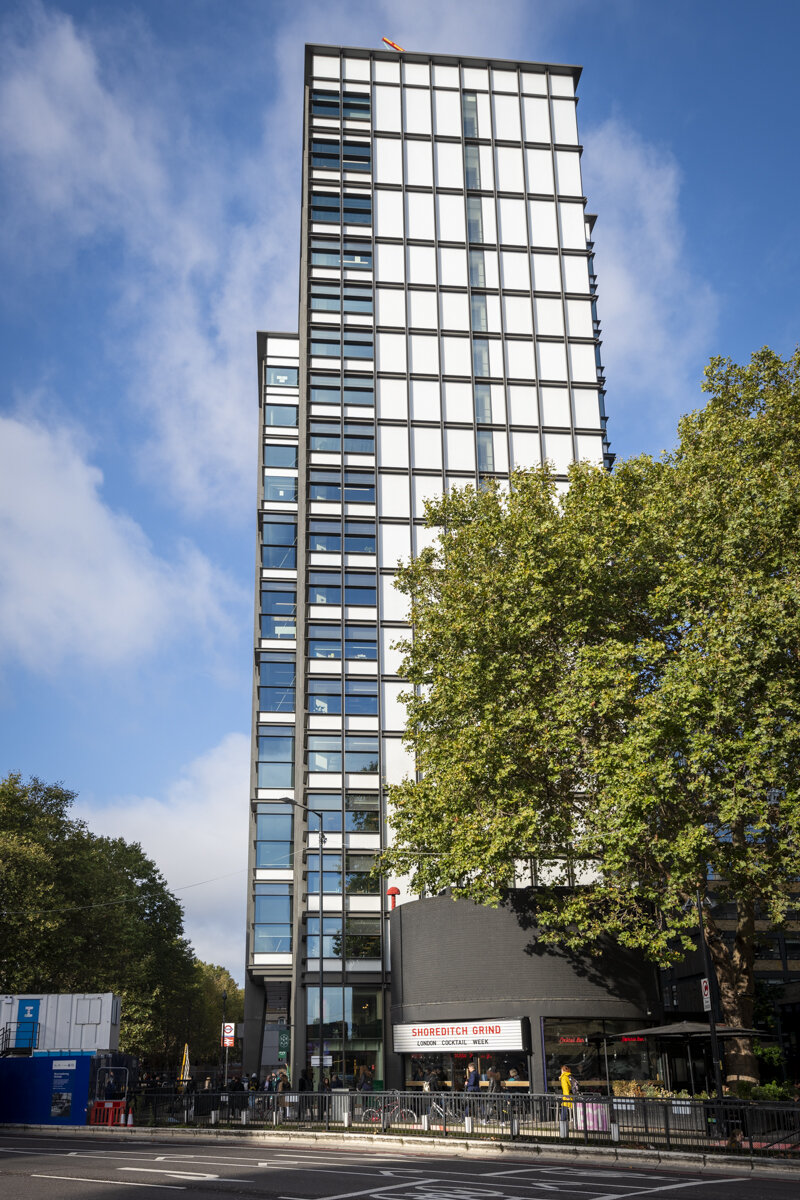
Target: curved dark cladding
[(453, 957)]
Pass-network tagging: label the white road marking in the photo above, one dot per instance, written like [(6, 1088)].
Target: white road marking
[(179, 1174), (170, 1187), (365, 1192), (670, 1187)]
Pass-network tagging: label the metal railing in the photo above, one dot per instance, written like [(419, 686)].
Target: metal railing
[(727, 1127), (19, 1037)]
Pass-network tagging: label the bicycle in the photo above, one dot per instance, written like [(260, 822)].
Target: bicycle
[(388, 1111)]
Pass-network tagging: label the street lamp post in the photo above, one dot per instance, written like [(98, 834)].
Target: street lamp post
[(225, 1039), (316, 813)]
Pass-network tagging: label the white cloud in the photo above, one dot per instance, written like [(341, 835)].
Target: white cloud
[(196, 831), (79, 581), (100, 151), (658, 315)]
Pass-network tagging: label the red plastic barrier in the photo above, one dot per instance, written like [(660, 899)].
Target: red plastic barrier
[(106, 1112)]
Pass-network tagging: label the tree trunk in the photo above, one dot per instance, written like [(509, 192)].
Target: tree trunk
[(736, 979)]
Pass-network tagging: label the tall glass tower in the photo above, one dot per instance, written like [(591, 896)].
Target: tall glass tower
[(447, 333)]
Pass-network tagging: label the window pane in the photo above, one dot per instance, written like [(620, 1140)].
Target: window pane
[(485, 450), (282, 376), (480, 357), (275, 775), (280, 414), (273, 910), (472, 165), (277, 855), (469, 112), (280, 488), (480, 321), (483, 404), (280, 456), (474, 219), (477, 269), (272, 939), (324, 648)]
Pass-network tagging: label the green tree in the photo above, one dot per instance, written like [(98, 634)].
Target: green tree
[(88, 913), (206, 1018), (608, 684)]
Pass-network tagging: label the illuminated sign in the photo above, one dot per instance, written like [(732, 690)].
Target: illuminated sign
[(481, 1035)]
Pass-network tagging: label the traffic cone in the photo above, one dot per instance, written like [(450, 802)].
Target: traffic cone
[(130, 1118)]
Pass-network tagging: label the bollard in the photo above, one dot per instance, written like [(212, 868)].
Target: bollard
[(425, 1122), (245, 1117), (563, 1122), (214, 1116), (515, 1126), (614, 1131), (468, 1124), (348, 1118)]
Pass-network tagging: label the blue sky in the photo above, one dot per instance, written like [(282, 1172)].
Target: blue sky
[(149, 180)]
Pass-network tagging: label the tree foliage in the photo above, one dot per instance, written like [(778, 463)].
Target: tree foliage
[(82, 913), (607, 683)]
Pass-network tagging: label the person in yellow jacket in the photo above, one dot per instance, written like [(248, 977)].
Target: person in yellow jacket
[(566, 1087)]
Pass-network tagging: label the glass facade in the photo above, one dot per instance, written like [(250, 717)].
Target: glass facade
[(429, 313)]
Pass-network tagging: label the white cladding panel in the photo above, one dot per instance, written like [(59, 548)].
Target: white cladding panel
[(425, 487), (457, 398), (474, 77), (536, 118), (393, 499), (394, 605), (576, 273), (392, 399), (504, 81), (391, 659), (460, 449), (388, 207), (552, 360), (506, 118), (544, 230), (517, 316), (386, 108), (568, 173), (549, 316), (356, 68), (394, 544), (514, 271), (508, 160), (562, 85), (325, 65), (424, 351), (390, 306), (450, 212), (398, 763), (419, 216), (388, 166), (416, 73), (454, 308), (555, 407), (392, 448), (421, 310), (487, 167), (590, 447), (390, 263), (421, 264), (573, 226), (446, 76), (546, 273), (449, 165), (425, 400), (584, 365), (496, 358), (391, 352), (558, 451), (522, 407), (385, 72), (419, 165), (579, 318), (426, 448), (484, 118), (540, 171), (447, 113), (520, 360), (586, 404), (565, 124), (525, 449), (393, 712), (513, 229), (452, 267), (456, 357), (417, 110)]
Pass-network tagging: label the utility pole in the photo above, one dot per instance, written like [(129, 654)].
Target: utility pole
[(712, 979)]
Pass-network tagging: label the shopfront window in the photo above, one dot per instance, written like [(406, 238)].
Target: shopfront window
[(352, 1028), (451, 1070), (589, 1047)]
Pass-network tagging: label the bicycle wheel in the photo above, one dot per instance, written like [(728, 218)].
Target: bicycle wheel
[(405, 1115)]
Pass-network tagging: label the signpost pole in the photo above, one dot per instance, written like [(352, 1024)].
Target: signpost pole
[(712, 1020)]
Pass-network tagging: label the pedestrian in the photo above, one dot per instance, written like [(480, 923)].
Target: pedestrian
[(336, 1082), (432, 1083), (567, 1089), (473, 1083), (283, 1088), (365, 1082), (304, 1086)]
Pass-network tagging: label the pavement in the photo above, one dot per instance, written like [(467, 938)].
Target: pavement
[(71, 1166)]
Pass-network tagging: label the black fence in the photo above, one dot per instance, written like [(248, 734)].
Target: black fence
[(727, 1127)]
